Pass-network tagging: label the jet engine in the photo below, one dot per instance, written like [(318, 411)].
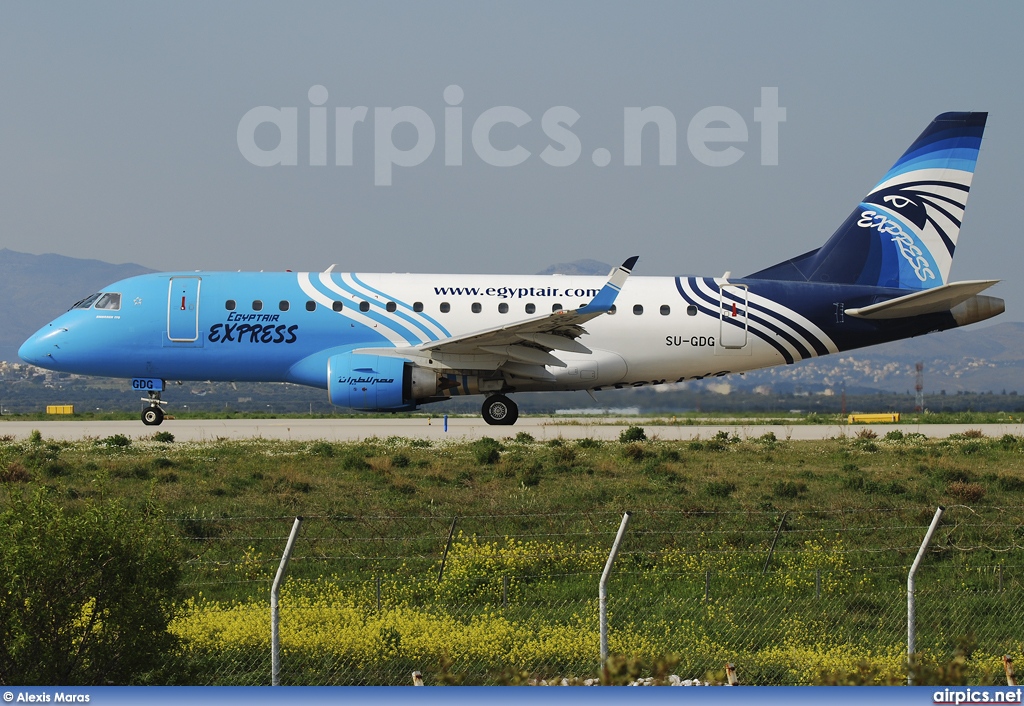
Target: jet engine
[(375, 383)]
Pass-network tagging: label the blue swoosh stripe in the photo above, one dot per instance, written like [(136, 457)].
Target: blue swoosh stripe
[(964, 165), (409, 336), (430, 334), (968, 144)]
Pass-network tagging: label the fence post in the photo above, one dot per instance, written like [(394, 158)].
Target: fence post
[(275, 618), (378, 594), (602, 592), (817, 583), (504, 591), (911, 607), (707, 585), (775, 539), (1011, 678), (447, 547)]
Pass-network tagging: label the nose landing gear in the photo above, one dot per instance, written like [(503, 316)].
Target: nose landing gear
[(153, 415)]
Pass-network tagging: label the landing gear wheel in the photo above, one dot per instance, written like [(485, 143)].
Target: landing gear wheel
[(152, 416), (500, 410)]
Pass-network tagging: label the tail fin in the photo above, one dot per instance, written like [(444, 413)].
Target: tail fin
[(904, 232)]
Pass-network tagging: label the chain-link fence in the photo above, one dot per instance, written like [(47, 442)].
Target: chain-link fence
[(368, 600)]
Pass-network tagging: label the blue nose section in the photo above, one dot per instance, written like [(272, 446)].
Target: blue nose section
[(40, 347)]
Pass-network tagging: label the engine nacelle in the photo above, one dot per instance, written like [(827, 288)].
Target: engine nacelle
[(372, 382)]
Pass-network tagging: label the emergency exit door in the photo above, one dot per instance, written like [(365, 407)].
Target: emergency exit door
[(732, 319)]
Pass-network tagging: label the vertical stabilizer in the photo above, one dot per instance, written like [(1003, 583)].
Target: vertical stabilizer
[(904, 232)]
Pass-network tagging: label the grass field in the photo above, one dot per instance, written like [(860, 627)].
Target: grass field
[(532, 526)]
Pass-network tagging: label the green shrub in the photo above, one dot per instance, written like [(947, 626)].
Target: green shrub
[(529, 475), (85, 598), (400, 461), (564, 456), (117, 441), (164, 437), (635, 452), (632, 434), (486, 451)]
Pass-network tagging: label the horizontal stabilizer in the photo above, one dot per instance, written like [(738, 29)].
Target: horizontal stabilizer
[(927, 301)]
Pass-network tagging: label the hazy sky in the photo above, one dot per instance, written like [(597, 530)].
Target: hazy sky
[(120, 139)]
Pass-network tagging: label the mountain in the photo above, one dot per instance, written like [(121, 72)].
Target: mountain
[(37, 288)]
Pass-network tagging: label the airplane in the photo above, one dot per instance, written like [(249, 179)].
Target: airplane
[(393, 342)]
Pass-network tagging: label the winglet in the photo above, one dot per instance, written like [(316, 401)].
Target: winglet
[(606, 297)]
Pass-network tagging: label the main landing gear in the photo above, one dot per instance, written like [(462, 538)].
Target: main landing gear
[(153, 415), (499, 409)]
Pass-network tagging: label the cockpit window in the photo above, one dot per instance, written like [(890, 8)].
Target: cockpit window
[(109, 300), (85, 303)]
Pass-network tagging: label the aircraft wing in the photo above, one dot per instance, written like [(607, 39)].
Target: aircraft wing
[(523, 348)]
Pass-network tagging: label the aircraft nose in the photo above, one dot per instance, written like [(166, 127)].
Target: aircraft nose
[(39, 348)]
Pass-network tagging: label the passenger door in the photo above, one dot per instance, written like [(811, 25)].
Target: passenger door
[(183, 309)]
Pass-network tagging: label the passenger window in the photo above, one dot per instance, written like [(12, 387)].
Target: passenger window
[(691, 310), (556, 307), (445, 307), (310, 306), (364, 306), (337, 306), (417, 306), (665, 310), (503, 308), (391, 306), (476, 308), (531, 308), (638, 309), (109, 300), (229, 305), (257, 305), (283, 305)]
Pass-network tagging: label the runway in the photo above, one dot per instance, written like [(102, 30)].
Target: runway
[(463, 428)]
